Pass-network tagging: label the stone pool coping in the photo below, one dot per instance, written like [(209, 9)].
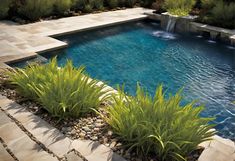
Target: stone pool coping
[(20, 42), (196, 27)]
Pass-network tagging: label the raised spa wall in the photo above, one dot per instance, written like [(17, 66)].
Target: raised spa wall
[(188, 24)]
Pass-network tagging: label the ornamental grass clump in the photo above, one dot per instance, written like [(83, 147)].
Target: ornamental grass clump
[(158, 126), (64, 92), (179, 7)]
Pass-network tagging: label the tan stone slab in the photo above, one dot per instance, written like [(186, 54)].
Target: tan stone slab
[(73, 157), (10, 133), (18, 57), (227, 142), (205, 27), (4, 155), (27, 150), (52, 138), (4, 119), (94, 151), (223, 148), (211, 154), (19, 42)]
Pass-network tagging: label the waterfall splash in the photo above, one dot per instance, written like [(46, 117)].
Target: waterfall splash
[(171, 24)]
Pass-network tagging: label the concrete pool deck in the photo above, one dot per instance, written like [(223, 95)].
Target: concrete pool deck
[(19, 42)]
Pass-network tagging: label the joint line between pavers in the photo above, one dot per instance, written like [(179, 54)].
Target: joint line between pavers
[(30, 135), (8, 150)]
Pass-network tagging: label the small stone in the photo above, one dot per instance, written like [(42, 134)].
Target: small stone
[(96, 129), (73, 132), (110, 133), (82, 135), (99, 125), (94, 138), (91, 126), (86, 129), (99, 120), (105, 140), (119, 144), (113, 144)]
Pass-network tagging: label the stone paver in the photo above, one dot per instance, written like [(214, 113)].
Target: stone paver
[(93, 151), (73, 157), (212, 154), (4, 155), (20, 144), (218, 149), (49, 136), (23, 41)]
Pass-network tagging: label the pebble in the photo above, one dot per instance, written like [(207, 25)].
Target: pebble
[(99, 125), (86, 129), (94, 138), (96, 129), (82, 135), (110, 133)]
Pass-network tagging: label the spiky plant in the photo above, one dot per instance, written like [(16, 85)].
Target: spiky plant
[(63, 92), (156, 125)]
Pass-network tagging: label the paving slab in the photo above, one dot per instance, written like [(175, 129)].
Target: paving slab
[(94, 151), (18, 42), (211, 154), (4, 155), (41, 130), (73, 157), (20, 144)]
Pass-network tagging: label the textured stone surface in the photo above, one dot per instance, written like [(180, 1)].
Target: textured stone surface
[(211, 154), (209, 28), (24, 41), (4, 155), (73, 157), (218, 149), (94, 151), (19, 143)]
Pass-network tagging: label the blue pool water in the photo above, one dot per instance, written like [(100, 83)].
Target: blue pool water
[(137, 52)]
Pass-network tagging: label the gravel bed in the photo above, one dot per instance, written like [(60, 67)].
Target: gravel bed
[(89, 127)]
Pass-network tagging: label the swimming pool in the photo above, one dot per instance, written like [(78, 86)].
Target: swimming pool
[(141, 52)]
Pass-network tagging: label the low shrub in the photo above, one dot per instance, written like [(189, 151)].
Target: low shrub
[(35, 9), (179, 7), (146, 3), (86, 6), (113, 3), (64, 92), (158, 126), (130, 3), (220, 13), (62, 6), (4, 8), (99, 4), (158, 6)]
